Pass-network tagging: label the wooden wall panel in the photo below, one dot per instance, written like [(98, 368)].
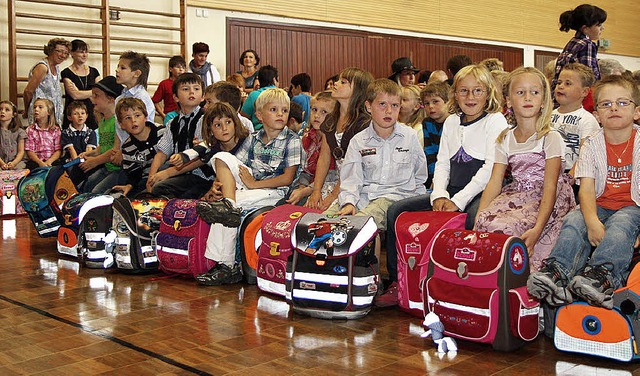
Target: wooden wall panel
[(323, 52), (527, 22)]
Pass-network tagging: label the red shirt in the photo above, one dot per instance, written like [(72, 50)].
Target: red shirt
[(164, 93), (617, 190)]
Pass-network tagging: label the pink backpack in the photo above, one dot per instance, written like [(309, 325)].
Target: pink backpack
[(477, 285), (415, 232), (183, 239), (276, 247)]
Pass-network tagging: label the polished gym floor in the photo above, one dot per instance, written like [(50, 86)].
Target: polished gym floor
[(60, 318)]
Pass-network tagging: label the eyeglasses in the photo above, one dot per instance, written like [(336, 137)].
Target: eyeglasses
[(64, 52), (621, 103), (477, 92)]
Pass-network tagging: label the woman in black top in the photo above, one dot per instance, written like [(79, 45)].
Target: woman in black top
[(78, 79)]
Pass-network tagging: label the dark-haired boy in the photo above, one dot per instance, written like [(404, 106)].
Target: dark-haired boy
[(164, 92), (301, 92), (185, 131)]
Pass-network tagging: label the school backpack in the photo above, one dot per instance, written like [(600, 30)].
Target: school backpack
[(275, 246), (333, 273), (95, 236), (415, 232), (609, 333), (183, 239), (249, 241), (42, 193), (67, 241), (10, 205), (477, 286), (136, 223)]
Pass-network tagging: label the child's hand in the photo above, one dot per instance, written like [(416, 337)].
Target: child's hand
[(125, 189), (348, 209), (595, 232), (9, 166), (530, 238), (314, 200), (444, 204), (116, 157), (88, 164), (176, 160), (247, 178), (296, 195), (215, 193)]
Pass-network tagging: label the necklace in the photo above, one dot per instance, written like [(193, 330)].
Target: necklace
[(621, 154), (84, 83)]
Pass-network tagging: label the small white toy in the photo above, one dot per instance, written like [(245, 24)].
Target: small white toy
[(435, 329)]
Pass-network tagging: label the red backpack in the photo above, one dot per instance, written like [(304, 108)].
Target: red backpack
[(477, 285), (183, 239), (415, 232), (275, 247)]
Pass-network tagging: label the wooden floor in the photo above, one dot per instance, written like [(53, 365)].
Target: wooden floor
[(59, 318)]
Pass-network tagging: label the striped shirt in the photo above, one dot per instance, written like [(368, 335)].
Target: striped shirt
[(137, 155)]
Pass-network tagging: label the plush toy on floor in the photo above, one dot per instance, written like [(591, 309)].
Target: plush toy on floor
[(436, 331)]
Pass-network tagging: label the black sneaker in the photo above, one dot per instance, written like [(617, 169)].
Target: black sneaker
[(595, 285), (220, 274), (549, 284), (222, 212)]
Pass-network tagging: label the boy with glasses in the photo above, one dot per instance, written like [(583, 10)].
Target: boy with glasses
[(608, 217)]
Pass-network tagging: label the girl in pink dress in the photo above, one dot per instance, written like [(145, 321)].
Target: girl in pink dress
[(534, 204)]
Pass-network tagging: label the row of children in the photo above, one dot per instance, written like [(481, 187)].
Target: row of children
[(266, 164)]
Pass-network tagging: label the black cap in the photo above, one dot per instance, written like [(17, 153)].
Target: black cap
[(400, 64), (109, 86)]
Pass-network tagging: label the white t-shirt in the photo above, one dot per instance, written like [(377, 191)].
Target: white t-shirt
[(574, 127)]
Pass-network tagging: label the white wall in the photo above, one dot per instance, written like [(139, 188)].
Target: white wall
[(212, 30)]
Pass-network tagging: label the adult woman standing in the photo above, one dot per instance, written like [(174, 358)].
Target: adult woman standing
[(44, 79), (249, 60), (78, 79)]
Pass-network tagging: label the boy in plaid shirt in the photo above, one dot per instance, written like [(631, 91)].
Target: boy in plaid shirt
[(260, 174)]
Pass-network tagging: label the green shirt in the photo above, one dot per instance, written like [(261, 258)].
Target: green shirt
[(106, 137)]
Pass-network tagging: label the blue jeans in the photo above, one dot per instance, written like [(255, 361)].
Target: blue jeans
[(103, 180), (414, 204), (573, 251)]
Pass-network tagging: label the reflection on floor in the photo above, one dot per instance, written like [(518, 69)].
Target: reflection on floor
[(59, 318)]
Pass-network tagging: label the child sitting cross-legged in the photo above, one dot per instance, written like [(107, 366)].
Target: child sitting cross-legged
[(260, 174), (608, 217)]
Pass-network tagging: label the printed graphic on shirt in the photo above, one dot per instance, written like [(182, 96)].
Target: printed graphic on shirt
[(370, 151), (619, 176), (569, 127), (461, 156)]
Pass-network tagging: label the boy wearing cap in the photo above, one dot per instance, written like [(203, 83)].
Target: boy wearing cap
[(102, 173), (404, 73)]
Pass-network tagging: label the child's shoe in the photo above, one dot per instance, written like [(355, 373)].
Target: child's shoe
[(389, 298), (549, 284), (594, 285), (220, 274), (222, 212)]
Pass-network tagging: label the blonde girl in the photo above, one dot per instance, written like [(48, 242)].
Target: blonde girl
[(468, 142), (535, 203), (11, 138), (43, 136), (412, 111)]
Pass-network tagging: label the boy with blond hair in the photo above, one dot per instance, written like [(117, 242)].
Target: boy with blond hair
[(260, 174), (608, 217), (570, 119)]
